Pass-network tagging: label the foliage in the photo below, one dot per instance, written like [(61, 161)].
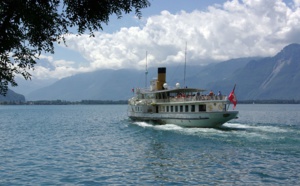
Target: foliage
[(30, 27)]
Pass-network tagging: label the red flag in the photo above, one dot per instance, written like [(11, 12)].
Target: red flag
[(232, 98)]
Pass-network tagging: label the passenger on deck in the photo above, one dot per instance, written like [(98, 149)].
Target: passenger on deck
[(220, 95)]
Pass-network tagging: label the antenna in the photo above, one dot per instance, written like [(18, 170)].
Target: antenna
[(146, 72), (184, 63)]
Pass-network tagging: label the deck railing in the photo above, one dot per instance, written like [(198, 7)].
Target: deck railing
[(192, 98)]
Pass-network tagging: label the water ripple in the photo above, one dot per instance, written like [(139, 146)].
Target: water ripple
[(98, 145)]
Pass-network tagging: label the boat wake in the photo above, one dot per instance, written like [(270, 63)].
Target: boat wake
[(176, 128), (227, 130), (263, 128), (160, 127)]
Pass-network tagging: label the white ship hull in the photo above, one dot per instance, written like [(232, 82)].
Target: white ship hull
[(212, 119)]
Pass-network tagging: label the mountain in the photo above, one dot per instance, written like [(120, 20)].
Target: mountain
[(117, 84), (274, 77), (216, 72), (98, 85), (27, 86), (12, 96)]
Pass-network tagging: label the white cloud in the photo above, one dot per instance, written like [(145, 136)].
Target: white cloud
[(48, 68), (297, 3), (235, 29)]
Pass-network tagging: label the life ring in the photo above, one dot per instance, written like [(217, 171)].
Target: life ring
[(210, 107)]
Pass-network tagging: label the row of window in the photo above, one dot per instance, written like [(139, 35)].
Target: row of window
[(172, 108), (183, 108)]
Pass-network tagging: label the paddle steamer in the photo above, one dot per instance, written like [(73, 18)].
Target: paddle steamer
[(187, 107)]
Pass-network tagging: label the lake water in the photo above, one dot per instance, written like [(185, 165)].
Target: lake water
[(99, 145)]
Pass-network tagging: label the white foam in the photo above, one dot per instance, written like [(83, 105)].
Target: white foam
[(237, 126), (264, 128), (143, 124), (159, 127), (272, 129), (247, 131), (179, 129), (168, 127)]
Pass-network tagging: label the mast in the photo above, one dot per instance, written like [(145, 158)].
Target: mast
[(146, 72), (184, 64)]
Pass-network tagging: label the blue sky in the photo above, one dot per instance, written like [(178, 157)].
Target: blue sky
[(214, 30)]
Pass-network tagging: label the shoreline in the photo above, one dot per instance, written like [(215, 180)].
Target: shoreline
[(125, 102)]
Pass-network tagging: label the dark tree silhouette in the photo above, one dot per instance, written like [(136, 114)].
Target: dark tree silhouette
[(29, 27)]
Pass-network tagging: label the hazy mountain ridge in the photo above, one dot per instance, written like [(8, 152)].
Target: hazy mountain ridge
[(256, 78), (98, 85), (268, 78), (12, 96)]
